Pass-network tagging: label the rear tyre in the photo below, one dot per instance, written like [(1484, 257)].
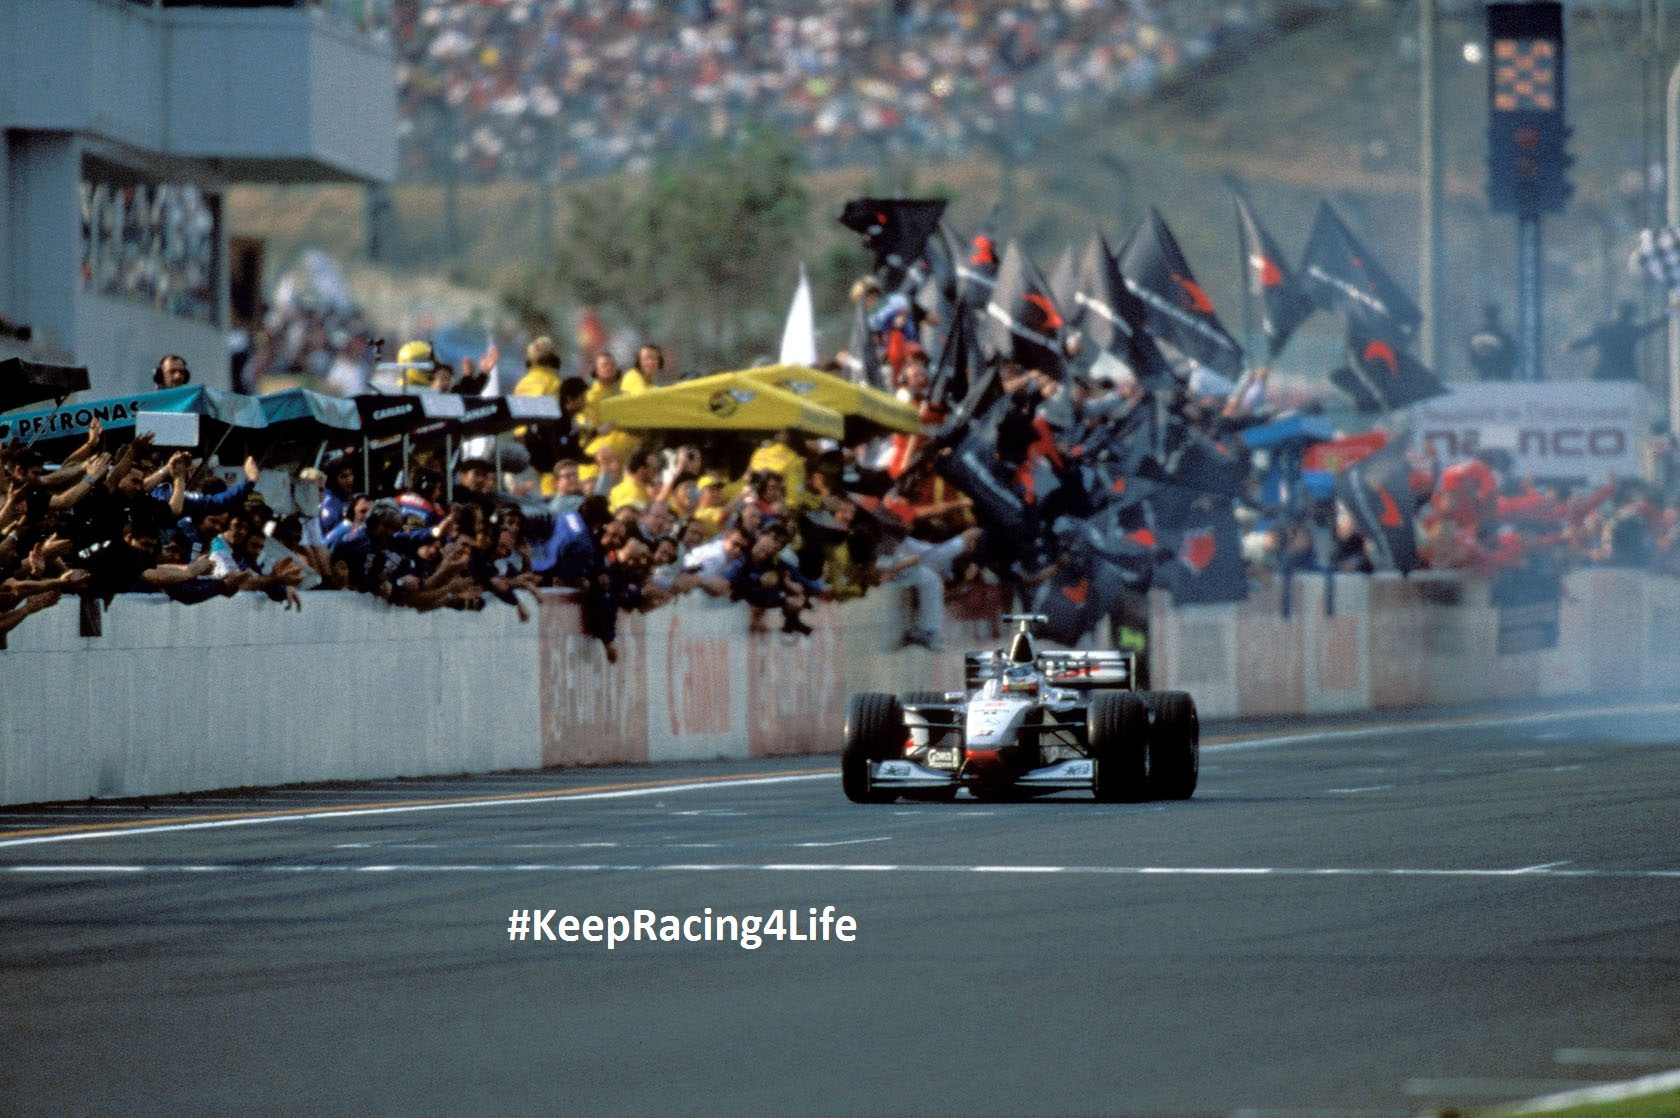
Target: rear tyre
[(1174, 745), (874, 732), (1117, 737)]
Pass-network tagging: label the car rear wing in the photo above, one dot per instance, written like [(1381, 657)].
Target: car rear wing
[(1071, 670), (1089, 671)]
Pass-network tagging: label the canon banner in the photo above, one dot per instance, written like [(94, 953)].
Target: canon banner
[(1564, 430)]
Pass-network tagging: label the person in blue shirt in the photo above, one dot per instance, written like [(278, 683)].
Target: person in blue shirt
[(337, 497), (765, 580)]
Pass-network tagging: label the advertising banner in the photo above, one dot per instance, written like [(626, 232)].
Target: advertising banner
[(1581, 431)]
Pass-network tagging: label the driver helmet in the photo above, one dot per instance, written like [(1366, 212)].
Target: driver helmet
[(1020, 681), (418, 353)]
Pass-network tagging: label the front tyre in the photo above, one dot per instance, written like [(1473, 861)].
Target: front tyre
[(874, 732), (1117, 738), (1174, 745)]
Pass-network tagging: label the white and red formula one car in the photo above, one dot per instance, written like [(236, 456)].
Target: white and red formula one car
[(1027, 722)]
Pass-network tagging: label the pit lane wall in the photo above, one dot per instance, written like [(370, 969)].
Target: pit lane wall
[(236, 693), (1371, 642)]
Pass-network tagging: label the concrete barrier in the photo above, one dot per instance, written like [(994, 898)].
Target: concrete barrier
[(1196, 650), (236, 692)]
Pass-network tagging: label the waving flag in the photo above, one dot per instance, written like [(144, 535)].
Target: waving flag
[(977, 266), (1069, 601), (1205, 545), (1061, 279), (1101, 559), (1381, 376), (1199, 462), (799, 335), (953, 374), (1116, 536), (1283, 305), (1180, 312), (1112, 319), (999, 505), (895, 230), (1023, 321), (1657, 254), (1338, 274), (1377, 490), (861, 362)]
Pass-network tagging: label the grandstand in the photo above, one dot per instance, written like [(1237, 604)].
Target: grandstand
[(566, 89)]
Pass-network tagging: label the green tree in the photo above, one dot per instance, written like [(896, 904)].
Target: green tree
[(702, 258)]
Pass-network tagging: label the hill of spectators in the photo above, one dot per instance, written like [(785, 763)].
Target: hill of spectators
[(564, 89)]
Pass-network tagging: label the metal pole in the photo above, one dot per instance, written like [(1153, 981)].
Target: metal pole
[(1647, 79), (1672, 184), (1429, 261), (1529, 297)]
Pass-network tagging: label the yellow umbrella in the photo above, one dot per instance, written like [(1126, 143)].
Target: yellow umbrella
[(862, 405), (721, 402)]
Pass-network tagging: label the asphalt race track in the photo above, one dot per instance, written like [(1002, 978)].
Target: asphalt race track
[(1375, 917)]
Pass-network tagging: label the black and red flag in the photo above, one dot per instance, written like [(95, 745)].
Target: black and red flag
[(1206, 464), (1114, 320), (999, 506), (1205, 548), (935, 280), (1023, 322), (1269, 282), (1070, 601), (1377, 490), (977, 264), (1381, 376), (1116, 535), (1180, 312), (1339, 274), (896, 230), (1100, 560), (959, 362)]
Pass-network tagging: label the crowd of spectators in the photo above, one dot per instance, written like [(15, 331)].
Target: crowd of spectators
[(573, 88), (629, 524), (622, 523), (151, 243), (1477, 515)]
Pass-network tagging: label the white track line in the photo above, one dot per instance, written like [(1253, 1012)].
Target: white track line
[(1247, 744), (1618, 1057), (1436, 725), (1345, 872), (1603, 1093), (403, 809)]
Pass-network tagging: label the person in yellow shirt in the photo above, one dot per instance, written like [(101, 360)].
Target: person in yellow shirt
[(641, 477), (785, 456), (650, 366), (712, 504), (609, 382), (542, 369)]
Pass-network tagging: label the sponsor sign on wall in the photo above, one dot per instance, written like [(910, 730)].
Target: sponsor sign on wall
[(797, 688), (1581, 430), (593, 712)]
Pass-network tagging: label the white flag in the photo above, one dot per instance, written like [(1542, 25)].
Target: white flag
[(799, 336)]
